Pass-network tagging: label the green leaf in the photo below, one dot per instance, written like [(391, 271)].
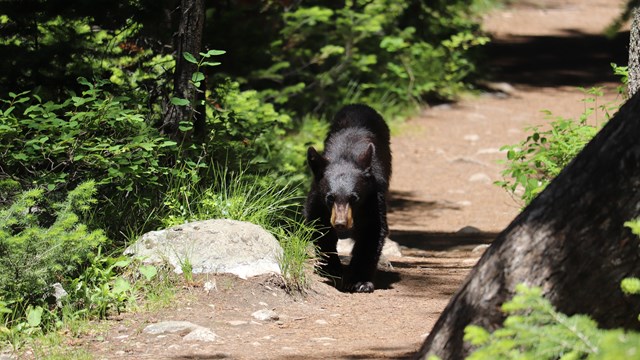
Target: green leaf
[(121, 285), (190, 58), (34, 316), (630, 285), (148, 271), (213, 53), (179, 101), (634, 225), (168, 143), (476, 335), (208, 63), (197, 77)]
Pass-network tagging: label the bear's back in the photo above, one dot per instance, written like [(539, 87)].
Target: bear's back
[(361, 116), (352, 129)]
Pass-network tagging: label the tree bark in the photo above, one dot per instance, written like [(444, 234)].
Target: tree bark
[(570, 241), (634, 53), (188, 39)]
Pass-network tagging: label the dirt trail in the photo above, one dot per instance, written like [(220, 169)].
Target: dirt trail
[(443, 205)]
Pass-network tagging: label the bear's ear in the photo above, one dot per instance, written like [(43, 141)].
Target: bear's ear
[(364, 160), (317, 162)]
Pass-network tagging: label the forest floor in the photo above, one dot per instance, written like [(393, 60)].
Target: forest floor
[(443, 205)]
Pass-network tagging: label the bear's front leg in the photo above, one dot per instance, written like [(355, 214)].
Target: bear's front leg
[(364, 262)]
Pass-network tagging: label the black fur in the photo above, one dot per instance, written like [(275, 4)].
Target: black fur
[(354, 169)]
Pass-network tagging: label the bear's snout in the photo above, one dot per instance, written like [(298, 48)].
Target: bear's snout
[(341, 217)]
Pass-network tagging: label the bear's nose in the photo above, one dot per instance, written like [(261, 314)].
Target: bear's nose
[(340, 225)]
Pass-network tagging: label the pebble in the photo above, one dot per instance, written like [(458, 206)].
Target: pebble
[(472, 137), (201, 334), (480, 178), (209, 286), (265, 314), (469, 230), (237, 322)]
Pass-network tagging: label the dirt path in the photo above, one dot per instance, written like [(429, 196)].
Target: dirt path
[(443, 205)]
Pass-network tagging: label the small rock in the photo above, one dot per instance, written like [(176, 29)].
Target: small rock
[(209, 286), (201, 334), (237, 322), (59, 293), (468, 230), (321, 322), (472, 137), (480, 178), (170, 327), (265, 314)]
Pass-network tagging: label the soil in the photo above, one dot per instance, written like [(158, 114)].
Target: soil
[(443, 205)]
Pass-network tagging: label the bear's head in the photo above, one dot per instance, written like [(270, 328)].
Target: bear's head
[(346, 185)]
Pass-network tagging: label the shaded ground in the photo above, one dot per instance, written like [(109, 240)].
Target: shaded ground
[(443, 206)]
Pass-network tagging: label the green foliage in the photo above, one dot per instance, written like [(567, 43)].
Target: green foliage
[(330, 54), (533, 163), (242, 126), (100, 288), (535, 330), (52, 267), (94, 135), (34, 256)]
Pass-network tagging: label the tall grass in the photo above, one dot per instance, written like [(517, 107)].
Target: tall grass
[(255, 198)]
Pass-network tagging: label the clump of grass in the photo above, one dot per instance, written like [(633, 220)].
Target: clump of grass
[(255, 198)]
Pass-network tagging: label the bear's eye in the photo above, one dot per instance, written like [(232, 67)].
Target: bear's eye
[(353, 198), (330, 199)]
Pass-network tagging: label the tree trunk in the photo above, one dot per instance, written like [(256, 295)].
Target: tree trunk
[(188, 39), (634, 53), (570, 241)]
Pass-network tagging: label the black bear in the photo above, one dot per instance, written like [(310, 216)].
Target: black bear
[(348, 194)]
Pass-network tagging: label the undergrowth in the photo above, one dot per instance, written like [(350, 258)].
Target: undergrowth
[(534, 162)]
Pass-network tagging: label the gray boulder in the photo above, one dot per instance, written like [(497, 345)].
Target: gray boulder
[(212, 246)]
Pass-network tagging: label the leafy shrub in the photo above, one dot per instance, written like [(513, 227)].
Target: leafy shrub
[(535, 330), (96, 135), (533, 163), (381, 51), (52, 267), (36, 252)]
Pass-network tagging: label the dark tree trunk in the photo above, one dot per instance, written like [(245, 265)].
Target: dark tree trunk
[(570, 241), (188, 39), (634, 53)]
